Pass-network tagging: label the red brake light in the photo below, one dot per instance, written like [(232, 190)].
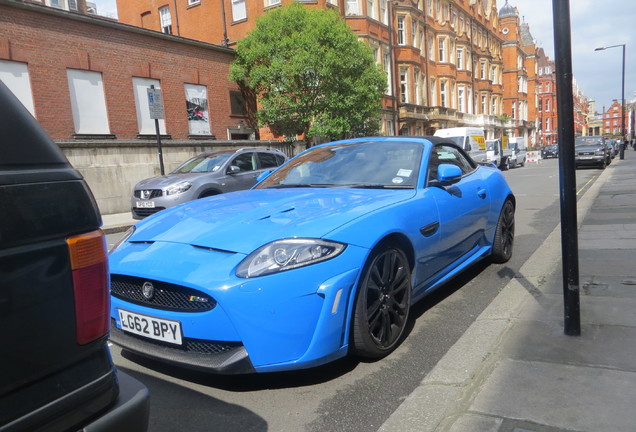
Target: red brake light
[(89, 264)]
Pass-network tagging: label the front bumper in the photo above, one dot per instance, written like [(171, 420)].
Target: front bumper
[(293, 319)]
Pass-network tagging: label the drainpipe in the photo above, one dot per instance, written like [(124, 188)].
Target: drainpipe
[(225, 40)]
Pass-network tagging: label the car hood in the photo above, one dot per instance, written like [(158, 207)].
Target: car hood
[(167, 180), (243, 221)]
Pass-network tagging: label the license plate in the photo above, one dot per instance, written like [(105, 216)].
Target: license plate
[(151, 327), (145, 204)]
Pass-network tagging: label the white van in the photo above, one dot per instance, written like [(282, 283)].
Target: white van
[(471, 139), (518, 147), (499, 153)]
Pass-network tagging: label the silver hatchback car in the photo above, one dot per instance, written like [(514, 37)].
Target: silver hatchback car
[(204, 175)]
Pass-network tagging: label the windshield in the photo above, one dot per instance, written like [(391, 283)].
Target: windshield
[(587, 141), (203, 163), (381, 164)]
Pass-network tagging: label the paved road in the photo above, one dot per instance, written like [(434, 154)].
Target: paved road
[(348, 395)]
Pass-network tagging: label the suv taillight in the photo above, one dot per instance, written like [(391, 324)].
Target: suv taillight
[(89, 263)]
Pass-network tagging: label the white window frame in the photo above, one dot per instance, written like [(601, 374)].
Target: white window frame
[(461, 99), (441, 49), (239, 11), (145, 124), (443, 93), (352, 7), (371, 12), (460, 58), (165, 19), (404, 85), (400, 30), (88, 102), (15, 75), (389, 74), (272, 2)]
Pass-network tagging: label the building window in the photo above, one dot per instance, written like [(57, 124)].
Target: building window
[(333, 2), (238, 10), (352, 8), (441, 44), (547, 105), (166, 19), (145, 123), (482, 69), (514, 110), (371, 9), (272, 2), (494, 109), (384, 16), (461, 99), (443, 93), (193, 2), (460, 58), (197, 109), (400, 30), (237, 103), (389, 75), (15, 75), (493, 74), (72, 4), (414, 34), (484, 105), (416, 85), (404, 85), (88, 102), (433, 93), (547, 124)]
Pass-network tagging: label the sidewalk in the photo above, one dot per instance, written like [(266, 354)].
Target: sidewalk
[(514, 370), (115, 223)]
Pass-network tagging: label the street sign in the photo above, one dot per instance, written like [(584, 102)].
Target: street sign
[(155, 103)]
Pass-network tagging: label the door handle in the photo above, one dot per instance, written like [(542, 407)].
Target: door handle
[(481, 193)]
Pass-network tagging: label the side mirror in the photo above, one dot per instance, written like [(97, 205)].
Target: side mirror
[(448, 173), (262, 176), (233, 169)]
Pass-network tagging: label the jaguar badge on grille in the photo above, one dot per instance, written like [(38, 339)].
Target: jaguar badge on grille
[(148, 290)]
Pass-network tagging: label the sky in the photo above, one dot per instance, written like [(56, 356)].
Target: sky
[(593, 24)]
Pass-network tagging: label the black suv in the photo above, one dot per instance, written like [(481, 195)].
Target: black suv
[(56, 372)]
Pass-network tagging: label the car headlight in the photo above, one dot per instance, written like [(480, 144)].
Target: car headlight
[(600, 152), (178, 188), (125, 237), (288, 254)]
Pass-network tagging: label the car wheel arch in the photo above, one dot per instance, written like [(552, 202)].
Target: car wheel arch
[(208, 192)]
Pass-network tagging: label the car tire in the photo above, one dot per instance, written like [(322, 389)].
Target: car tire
[(382, 303), (504, 234)]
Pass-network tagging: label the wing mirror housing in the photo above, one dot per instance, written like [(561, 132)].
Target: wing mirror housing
[(448, 173)]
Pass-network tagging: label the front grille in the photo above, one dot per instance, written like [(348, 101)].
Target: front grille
[(154, 193), (145, 212), (164, 295)]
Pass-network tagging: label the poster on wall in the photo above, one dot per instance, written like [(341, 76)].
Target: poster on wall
[(197, 109)]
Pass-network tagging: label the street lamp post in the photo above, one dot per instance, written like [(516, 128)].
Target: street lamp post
[(622, 88)]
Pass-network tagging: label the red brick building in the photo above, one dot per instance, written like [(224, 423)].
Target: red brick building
[(547, 117), (612, 121), (85, 77)]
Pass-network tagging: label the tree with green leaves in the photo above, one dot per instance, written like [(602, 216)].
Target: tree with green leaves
[(310, 74)]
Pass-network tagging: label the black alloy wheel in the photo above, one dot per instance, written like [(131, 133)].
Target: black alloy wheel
[(504, 234), (382, 304)]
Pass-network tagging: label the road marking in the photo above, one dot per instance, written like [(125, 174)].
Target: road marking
[(583, 187)]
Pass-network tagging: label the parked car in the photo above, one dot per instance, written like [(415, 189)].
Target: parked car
[(57, 373), (206, 174), (323, 258), (591, 151), (551, 151)]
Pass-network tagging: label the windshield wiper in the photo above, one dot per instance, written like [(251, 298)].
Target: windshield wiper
[(379, 186)]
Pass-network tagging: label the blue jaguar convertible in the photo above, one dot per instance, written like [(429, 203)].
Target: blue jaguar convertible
[(323, 258)]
